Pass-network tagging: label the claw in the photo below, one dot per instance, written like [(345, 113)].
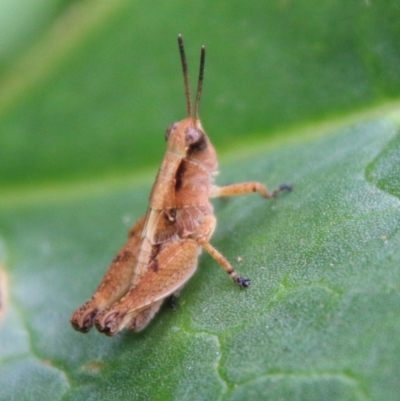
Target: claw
[(173, 301), (285, 187), (243, 282), (282, 187)]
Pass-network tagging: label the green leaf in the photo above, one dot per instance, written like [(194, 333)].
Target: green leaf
[(81, 136)]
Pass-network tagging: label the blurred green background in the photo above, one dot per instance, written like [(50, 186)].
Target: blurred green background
[(88, 88), (304, 92)]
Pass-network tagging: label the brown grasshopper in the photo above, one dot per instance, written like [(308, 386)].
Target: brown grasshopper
[(162, 251)]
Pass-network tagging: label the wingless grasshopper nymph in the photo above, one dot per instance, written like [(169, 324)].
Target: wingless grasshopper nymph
[(163, 247)]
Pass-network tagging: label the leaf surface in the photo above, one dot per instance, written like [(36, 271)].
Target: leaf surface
[(81, 137)]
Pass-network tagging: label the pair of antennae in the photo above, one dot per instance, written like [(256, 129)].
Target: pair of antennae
[(186, 79)]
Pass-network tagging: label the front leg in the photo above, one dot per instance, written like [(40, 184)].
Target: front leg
[(245, 188)]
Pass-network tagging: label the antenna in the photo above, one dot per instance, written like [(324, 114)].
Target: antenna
[(200, 83), (185, 75)]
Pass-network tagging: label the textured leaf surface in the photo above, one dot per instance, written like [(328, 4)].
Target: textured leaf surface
[(81, 136)]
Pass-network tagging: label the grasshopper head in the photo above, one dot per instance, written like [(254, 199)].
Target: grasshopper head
[(187, 138)]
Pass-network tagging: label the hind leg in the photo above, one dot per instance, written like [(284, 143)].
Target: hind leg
[(115, 283)]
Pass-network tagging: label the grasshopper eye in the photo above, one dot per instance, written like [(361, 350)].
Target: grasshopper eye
[(195, 140), (169, 130), (193, 135)]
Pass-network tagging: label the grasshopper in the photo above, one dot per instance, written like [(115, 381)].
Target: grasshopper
[(163, 247)]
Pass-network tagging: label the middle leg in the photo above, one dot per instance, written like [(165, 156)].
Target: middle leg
[(203, 235)]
